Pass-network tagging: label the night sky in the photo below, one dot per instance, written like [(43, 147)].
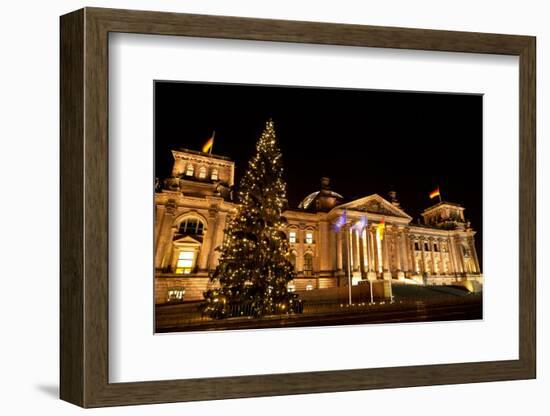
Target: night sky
[(365, 141)]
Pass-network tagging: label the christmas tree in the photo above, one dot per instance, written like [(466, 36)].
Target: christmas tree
[(254, 266)]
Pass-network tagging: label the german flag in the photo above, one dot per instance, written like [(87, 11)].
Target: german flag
[(435, 193), (207, 147)]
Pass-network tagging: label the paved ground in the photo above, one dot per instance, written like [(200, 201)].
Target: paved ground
[(444, 307)]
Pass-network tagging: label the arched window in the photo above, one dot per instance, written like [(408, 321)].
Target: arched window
[(202, 172), (308, 264), (214, 175), (292, 259), (191, 226), (190, 170)]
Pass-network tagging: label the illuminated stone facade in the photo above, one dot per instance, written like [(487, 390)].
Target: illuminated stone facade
[(193, 208)]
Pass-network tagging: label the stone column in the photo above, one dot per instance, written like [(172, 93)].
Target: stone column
[(159, 227), (398, 254), (358, 255), (404, 252), (376, 257), (432, 255), (214, 224), (300, 251), (409, 252), (372, 254), (167, 259), (346, 252), (459, 256), (323, 247), (361, 241), (207, 242), (441, 259), (364, 237), (339, 254), (159, 220), (332, 251), (412, 251), (413, 255), (348, 239), (388, 236), (353, 241), (368, 249), (474, 254), (424, 268), (452, 255), (164, 245), (386, 258), (354, 252), (379, 261)]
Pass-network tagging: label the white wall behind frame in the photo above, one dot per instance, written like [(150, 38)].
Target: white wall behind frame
[(137, 60), (29, 129)]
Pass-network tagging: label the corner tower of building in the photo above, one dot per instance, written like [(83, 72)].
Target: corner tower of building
[(201, 174), (445, 215)]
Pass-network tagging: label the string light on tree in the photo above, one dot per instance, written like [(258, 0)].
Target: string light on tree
[(254, 267)]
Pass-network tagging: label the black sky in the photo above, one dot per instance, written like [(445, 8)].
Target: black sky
[(365, 141)]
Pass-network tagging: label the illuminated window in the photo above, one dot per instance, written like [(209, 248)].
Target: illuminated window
[(308, 264), (191, 226), (202, 172), (292, 236), (214, 176), (190, 170), (309, 237), (176, 294), (309, 287), (186, 261), (291, 287)]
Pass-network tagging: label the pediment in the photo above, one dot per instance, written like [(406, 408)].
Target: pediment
[(375, 204), (187, 240)]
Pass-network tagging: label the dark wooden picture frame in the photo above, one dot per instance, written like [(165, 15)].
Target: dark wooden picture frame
[(84, 207)]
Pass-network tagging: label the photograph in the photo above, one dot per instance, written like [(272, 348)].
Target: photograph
[(241, 197), (282, 206)]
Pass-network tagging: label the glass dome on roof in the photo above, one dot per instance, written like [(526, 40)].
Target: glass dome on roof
[(308, 200)]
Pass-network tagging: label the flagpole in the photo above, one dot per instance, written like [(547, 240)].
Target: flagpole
[(349, 265)]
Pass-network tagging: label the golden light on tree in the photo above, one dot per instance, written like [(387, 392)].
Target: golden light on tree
[(254, 267)]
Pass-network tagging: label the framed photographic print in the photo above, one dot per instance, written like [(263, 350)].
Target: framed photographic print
[(335, 259), (257, 207)]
